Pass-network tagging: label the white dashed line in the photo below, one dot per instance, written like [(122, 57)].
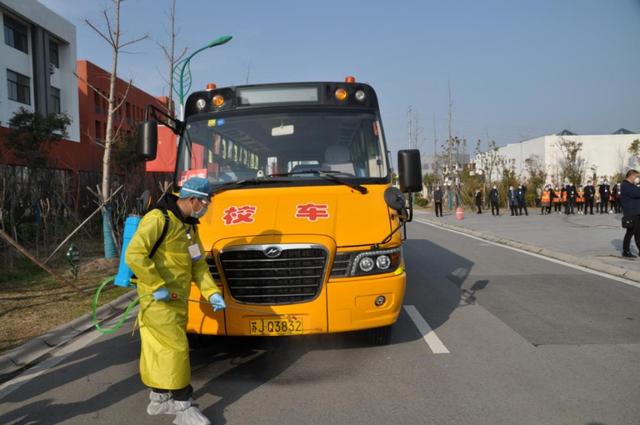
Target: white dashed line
[(428, 334)]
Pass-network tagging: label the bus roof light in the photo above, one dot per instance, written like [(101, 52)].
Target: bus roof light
[(218, 101), (341, 94), (350, 79), (211, 86)]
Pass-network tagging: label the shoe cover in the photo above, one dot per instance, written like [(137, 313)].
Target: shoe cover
[(162, 403), (191, 416)]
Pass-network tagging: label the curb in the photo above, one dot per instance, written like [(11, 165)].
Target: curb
[(567, 258), (25, 355)]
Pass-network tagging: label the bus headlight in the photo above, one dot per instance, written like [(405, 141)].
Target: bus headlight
[(360, 263), (366, 264), (360, 96), (200, 104), (383, 262)]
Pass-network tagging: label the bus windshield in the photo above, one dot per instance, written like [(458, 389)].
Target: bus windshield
[(295, 146)]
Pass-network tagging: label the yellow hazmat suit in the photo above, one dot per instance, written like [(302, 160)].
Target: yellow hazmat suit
[(164, 357)]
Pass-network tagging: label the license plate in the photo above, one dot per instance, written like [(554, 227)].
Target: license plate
[(276, 327)]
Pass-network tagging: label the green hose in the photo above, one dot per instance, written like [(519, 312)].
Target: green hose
[(125, 315)]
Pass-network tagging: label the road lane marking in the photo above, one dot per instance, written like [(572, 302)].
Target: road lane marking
[(428, 334), (542, 257)]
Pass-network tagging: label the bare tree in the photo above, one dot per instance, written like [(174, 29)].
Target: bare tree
[(414, 129), (537, 173), (450, 138), (170, 54), (490, 161), (571, 162), (634, 150), (112, 35)]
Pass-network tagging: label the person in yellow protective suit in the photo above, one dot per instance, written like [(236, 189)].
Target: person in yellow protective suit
[(164, 277)]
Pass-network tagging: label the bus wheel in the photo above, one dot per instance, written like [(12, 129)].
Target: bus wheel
[(379, 336)]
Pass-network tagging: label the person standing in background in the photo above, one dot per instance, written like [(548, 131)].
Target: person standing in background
[(613, 198), (437, 201), (580, 201), (589, 193), (630, 197), (571, 199), (545, 200), (563, 198), (512, 197), (522, 199), (604, 196), (618, 206), (477, 196), (494, 198), (557, 200)]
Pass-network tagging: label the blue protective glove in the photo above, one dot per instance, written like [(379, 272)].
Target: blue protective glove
[(217, 302), (161, 294)]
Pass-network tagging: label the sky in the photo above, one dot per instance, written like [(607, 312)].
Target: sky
[(516, 69)]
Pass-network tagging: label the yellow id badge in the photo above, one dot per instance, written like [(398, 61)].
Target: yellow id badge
[(194, 251)]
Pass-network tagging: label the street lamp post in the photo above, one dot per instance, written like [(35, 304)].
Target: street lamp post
[(184, 65)]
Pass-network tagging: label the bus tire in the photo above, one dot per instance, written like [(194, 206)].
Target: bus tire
[(379, 336)]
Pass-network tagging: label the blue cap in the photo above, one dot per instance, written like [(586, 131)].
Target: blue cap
[(195, 187)]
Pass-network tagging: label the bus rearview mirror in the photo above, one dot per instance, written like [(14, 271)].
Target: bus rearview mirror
[(409, 170), (148, 140)]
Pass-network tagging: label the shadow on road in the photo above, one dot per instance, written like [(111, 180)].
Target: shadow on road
[(438, 280), (81, 367)]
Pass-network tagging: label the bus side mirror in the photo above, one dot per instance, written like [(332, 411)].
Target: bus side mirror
[(409, 170), (148, 140)]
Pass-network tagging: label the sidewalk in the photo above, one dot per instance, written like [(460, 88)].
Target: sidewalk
[(34, 350), (593, 241)]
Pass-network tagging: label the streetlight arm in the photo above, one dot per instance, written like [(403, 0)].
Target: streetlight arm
[(185, 62)]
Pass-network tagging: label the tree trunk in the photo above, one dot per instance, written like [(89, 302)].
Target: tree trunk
[(109, 245)]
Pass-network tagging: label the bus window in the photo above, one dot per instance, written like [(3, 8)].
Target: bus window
[(263, 144)]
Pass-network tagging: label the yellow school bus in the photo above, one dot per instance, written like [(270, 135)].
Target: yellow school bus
[(304, 233)]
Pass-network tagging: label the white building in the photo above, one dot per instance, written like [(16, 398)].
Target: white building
[(37, 61), (436, 164), (603, 154)]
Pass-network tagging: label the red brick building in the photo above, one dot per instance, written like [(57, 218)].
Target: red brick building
[(93, 111), (86, 155)]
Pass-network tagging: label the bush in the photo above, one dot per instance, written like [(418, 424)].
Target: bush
[(421, 202)]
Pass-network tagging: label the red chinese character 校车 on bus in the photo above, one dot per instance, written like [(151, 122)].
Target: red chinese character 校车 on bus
[(236, 215), (312, 212)]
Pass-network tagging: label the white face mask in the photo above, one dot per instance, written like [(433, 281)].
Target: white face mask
[(637, 180), (201, 212)]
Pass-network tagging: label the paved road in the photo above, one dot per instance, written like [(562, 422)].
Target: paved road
[(529, 341), (597, 236)]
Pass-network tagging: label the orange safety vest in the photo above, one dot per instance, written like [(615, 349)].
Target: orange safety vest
[(556, 197), (546, 197), (564, 196), (580, 198)]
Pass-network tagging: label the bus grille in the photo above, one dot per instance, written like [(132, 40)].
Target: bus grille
[(294, 275), (341, 264)]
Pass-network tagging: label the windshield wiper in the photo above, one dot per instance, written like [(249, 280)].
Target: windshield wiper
[(329, 175), (246, 182)]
